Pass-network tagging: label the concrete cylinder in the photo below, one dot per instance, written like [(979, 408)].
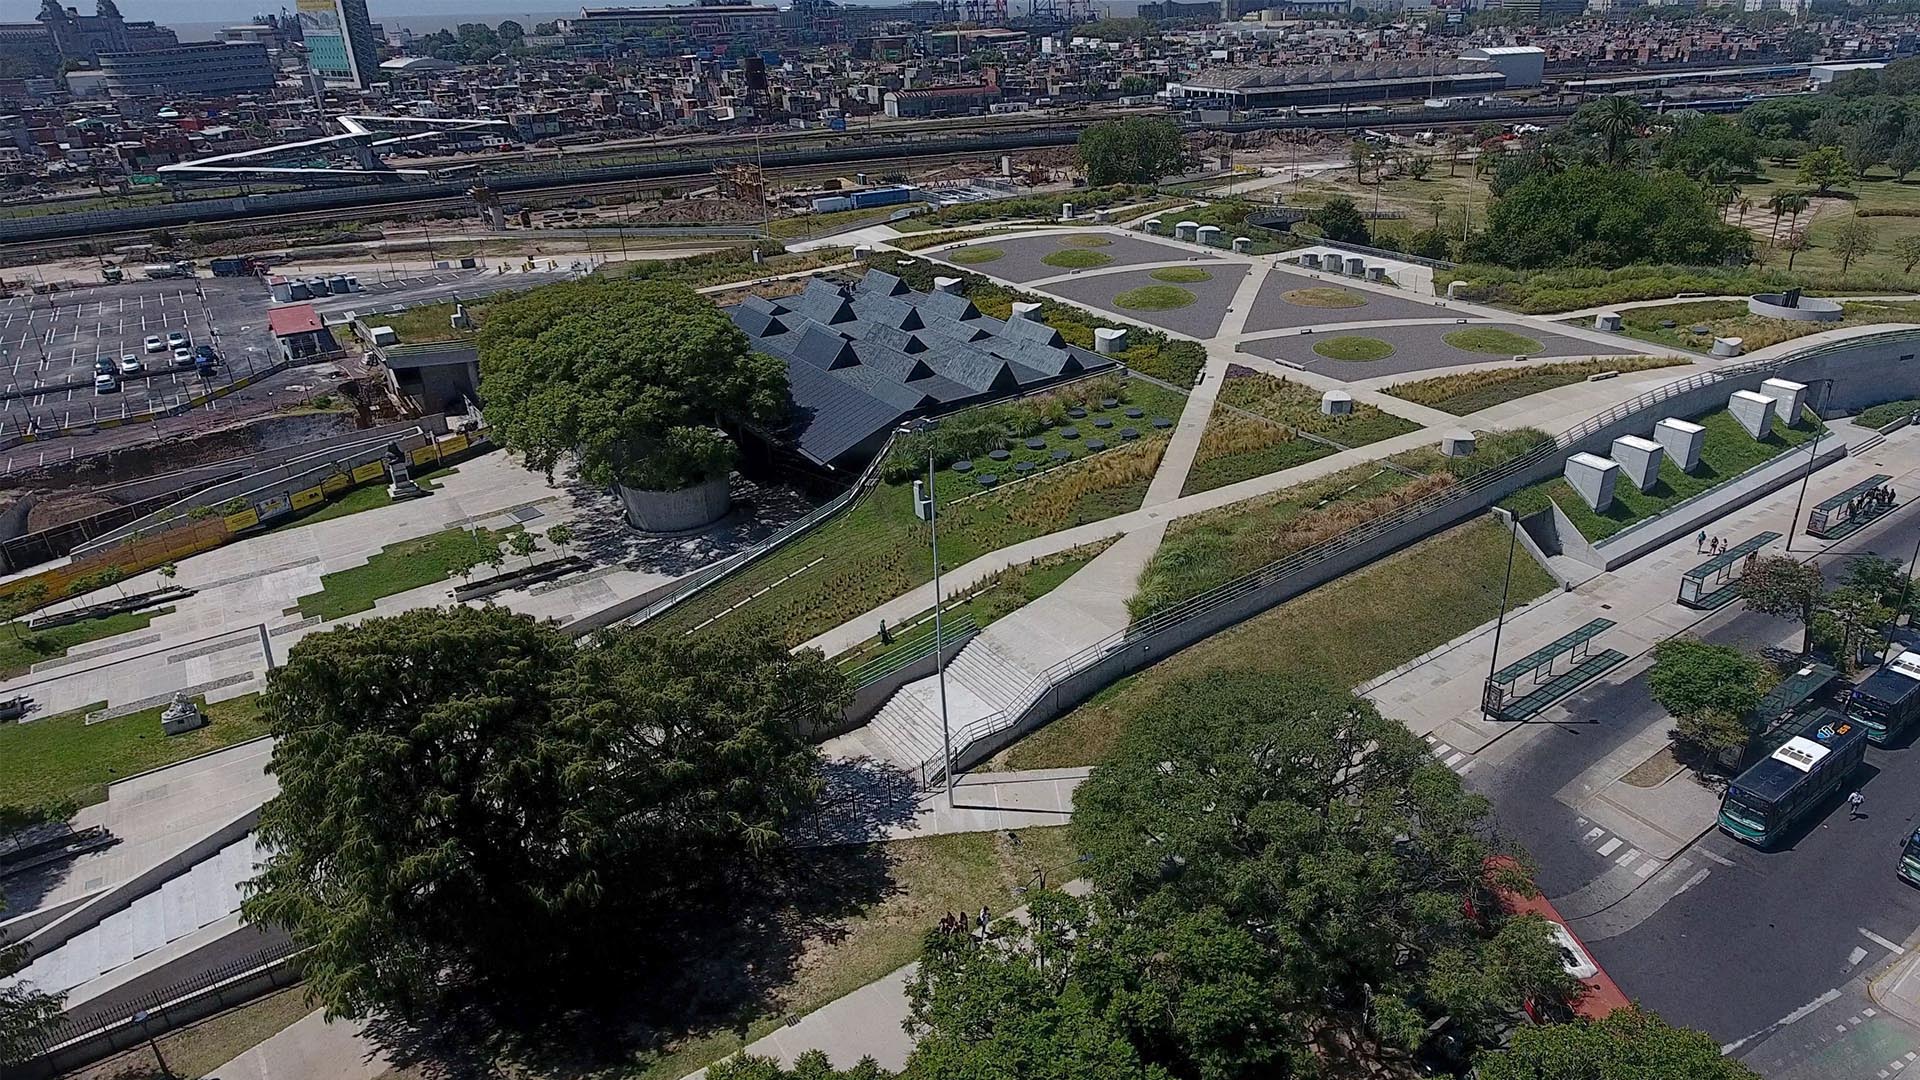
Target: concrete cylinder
[(1310, 260), (1023, 309), (1242, 244), (1066, 211), (682, 510), (946, 285), (1108, 341), (1607, 320), (1728, 346), (1455, 288), (1457, 443), (1336, 403), (1207, 234), (1377, 273)]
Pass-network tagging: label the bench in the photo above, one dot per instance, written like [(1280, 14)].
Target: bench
[(1835, 517), (1712, 583), (1561, 685)]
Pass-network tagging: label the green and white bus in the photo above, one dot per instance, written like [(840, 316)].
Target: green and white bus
[(1777, 792)]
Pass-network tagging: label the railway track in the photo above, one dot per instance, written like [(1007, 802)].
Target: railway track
[(25, 236)]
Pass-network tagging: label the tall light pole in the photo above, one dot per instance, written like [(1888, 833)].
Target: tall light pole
[(925, 427), (1813, 452), (1500, 621)]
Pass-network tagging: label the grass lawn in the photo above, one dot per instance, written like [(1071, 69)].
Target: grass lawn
[(431, 322), (1878, 190), (974, 253), (925, 879), (1077, 259), (1154, 298), (21, 648), (805, 225), (878, 549), (1322, 296), (1236, 447), (1354, 350), (1881, 415), (396, 568), (1729, 318), (1469, 392), (59, 759), (998, 596), (1347, 631), (356, 500), (1181, 275), (912, 240), (1727, 452), (1492, 341), (199, 1049)]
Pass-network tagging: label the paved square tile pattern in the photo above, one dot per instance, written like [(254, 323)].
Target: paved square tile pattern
[(1021, 258), (1272, 310), (1199, 319), (1415, 348)]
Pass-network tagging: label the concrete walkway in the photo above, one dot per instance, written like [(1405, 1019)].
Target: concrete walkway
[(864, 807), (312, 1048)]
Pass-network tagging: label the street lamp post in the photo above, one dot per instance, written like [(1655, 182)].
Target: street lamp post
[(1500, 621), (1813, 452), (925, 426)]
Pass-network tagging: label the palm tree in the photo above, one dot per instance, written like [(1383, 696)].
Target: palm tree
[(1550, 159), (1617, 119), (1744, 204)]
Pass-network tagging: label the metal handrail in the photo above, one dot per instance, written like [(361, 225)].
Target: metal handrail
[(960, 628), (933, 770)]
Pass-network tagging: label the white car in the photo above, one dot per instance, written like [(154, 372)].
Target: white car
[(183, 355), (105, 384), (130, 364), (177, 339), (154, 344)]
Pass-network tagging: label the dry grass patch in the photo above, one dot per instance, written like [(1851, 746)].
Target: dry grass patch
[(1324, 296), (1470, 391), (1091, 240), (971, 254)]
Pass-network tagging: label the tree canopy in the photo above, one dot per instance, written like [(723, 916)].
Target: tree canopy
[(1628, 1042), (1606, 218), (1785, 587), (635, 381), (25, 1013), (1340, 220), (1694, 143), (477, 813), (1133, 150)]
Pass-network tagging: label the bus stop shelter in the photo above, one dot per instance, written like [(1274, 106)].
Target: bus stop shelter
[(1849, 510), (1717, 581), (1522, 689)]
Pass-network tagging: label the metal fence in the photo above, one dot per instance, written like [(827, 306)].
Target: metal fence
[(1195, 607)]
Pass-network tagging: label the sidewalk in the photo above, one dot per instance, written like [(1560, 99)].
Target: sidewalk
[(867, 805), (310, 1049)]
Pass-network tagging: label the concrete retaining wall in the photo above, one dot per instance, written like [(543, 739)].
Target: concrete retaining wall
[(681, 510), (870, 699)]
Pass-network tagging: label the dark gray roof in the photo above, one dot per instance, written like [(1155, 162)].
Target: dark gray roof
[(862, 359), (429, 354)]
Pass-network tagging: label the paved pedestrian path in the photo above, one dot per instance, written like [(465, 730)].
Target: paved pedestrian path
[(312, 1048)]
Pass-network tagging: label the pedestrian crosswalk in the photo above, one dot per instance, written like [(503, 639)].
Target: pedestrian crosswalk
[(1458, 760), (1617, 850)]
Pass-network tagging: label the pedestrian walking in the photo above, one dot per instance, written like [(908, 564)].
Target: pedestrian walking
[(1853, 806), (1700, 542), (985, 917)]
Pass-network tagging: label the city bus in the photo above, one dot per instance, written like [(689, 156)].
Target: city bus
[(1888, 700), (1909, 868), (1767, 800)]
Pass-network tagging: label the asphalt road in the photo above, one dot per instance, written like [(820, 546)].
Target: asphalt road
[(1748, 937)]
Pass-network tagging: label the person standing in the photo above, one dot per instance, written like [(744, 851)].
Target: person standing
[(1853, 806), (1700, 542)]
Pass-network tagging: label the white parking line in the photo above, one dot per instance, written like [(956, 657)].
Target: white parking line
[(1609, 847), (1882, 942), (1647, 868)]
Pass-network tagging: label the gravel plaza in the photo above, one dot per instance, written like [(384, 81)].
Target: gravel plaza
[(1021, 258), (1200, 319), (1327, 300)]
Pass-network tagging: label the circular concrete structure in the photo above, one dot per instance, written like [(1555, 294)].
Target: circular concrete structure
[(687, 509), (1794, 308)]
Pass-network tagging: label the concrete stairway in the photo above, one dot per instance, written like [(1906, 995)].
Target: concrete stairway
[(983, 680)]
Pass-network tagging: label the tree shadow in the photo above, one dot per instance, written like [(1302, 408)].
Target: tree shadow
[(601, 532)]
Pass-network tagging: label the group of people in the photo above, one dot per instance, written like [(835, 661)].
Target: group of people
[(955, 923), (1709, 545), (1880, 498)]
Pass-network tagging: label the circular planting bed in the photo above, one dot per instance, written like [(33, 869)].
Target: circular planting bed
[(975, 254), (1493, 341), (1324, 297), (1155, 298), (1090, 241), (1353, 350), (1181, 275), (963, 466), (1077, 259)]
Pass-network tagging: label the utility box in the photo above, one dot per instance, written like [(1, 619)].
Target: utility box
[(1789, 397), (1592, 477), (1681, 440), (1755, 412), (1639, 460), (1336, 403)]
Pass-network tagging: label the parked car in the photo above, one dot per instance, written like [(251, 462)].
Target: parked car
[(155, 344), (103, 366), (105, 383), (177, 339), (182, 356), (130, 364)]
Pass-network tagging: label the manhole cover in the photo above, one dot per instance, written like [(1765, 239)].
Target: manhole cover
[(527, 513)]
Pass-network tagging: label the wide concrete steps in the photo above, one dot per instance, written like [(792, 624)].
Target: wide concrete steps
[(982, 682)]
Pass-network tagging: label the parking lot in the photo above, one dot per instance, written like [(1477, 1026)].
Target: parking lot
[(50, 344)]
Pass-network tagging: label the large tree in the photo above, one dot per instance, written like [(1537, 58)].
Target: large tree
[(1825, 169), (25, 1012), (1628, 1043), (1134, 150), (1695, 142), (1616, 119), (474, 812), (1606, 218), (635, 381), (1709, 689), (1328, 837), (1783, 586)]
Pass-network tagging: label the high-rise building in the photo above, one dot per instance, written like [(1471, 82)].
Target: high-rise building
[(341, 46), (195, 69)]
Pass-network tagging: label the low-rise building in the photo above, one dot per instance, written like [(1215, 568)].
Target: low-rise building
[(200, 69)]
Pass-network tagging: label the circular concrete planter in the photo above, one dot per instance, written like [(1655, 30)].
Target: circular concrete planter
[(682, 510), (1808, 309)]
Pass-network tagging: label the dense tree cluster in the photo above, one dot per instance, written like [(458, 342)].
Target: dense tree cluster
[(25, 1013), (1278, 875), (1134, 150), (479, 816), (1628, 1043), (1604, 217), (637, 382)]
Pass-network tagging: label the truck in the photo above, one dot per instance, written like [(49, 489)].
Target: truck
[(234, 267), (157, 271)]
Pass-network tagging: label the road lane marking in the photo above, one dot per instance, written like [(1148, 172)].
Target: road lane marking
[(1610, 847), (1853, 959), (1591, 835), (1882, 942), (1795, 1016)]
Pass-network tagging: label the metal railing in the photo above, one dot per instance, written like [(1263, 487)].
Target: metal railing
[(933, 769), (958, 628)]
